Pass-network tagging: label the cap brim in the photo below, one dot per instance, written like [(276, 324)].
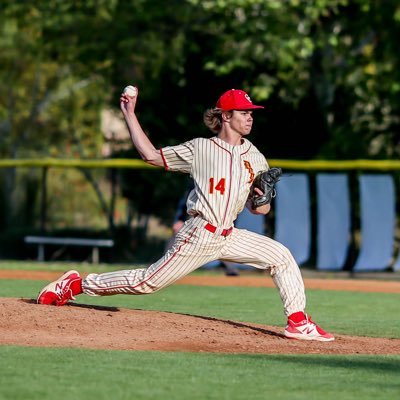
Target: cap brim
[(253, 107)]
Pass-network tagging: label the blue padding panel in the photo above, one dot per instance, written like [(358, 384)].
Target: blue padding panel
[(292, 215), (211, 264), (377, 203), (333, 221), (396, 265), (251, 222)]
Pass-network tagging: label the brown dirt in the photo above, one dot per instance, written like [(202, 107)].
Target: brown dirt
[(22, 322)]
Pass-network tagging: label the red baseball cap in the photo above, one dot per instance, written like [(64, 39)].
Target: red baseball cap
[(236, 100)]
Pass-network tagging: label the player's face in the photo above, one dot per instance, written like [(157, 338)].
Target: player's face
[(242, 121)]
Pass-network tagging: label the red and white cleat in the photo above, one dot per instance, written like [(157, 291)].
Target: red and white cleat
[(62, 290), (307, 330)]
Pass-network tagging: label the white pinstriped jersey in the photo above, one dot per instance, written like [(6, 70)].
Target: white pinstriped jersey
[(222, 174)]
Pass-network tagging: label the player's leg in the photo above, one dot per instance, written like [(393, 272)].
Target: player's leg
[(193, 248), (262, 252), (175, 264), (265, 253)]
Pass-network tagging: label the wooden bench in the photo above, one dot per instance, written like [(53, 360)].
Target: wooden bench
[(41, 241)]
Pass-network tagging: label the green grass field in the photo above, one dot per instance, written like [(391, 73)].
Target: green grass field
[(38, 373)]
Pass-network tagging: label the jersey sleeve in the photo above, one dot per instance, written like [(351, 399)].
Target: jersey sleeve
[(178, 158), (261, 162)]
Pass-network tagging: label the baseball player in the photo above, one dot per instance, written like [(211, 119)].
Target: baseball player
[(223, 168)]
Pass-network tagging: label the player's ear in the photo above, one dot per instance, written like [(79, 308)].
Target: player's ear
[(226, 115)]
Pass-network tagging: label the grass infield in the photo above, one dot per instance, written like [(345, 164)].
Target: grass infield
[(36, 373), (44, 373)]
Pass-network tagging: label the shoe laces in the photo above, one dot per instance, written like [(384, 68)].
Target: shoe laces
[(317, 327), (309, 320), (65, 293)]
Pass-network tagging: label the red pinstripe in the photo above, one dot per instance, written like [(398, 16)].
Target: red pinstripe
[(164, 160), (169, 260), (230, 181), (159, 269)]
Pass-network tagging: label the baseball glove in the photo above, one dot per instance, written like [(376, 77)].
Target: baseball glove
[(265, 181)]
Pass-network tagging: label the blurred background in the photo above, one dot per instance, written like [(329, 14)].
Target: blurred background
[(327, 72)]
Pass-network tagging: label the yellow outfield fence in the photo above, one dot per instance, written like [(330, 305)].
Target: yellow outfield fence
[(75, 163), (305, 165)]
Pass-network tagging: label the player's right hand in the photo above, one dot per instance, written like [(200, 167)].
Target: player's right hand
[(127, 103)]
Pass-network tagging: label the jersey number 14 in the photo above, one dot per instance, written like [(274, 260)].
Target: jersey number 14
[(220, 186)]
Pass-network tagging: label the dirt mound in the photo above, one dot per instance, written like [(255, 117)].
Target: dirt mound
[(22, 322)]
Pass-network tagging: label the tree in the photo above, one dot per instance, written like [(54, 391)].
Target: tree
[(50, 103), (326, 70)]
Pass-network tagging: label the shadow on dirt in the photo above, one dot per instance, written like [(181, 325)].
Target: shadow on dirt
[(77, 305)]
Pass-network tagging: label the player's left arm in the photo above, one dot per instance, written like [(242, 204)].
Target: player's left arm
[(262, 210)]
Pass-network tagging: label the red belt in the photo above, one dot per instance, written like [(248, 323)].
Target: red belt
[(212, 228)]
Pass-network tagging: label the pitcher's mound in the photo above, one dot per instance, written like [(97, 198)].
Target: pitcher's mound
[(77, 325)]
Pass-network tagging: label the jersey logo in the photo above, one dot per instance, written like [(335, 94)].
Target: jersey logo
[(249, 168)]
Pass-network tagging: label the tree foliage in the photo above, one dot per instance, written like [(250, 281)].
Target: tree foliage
[(327, 72), (63, 61)]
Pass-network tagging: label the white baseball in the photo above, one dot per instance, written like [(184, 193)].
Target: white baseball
[(131, 91)]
